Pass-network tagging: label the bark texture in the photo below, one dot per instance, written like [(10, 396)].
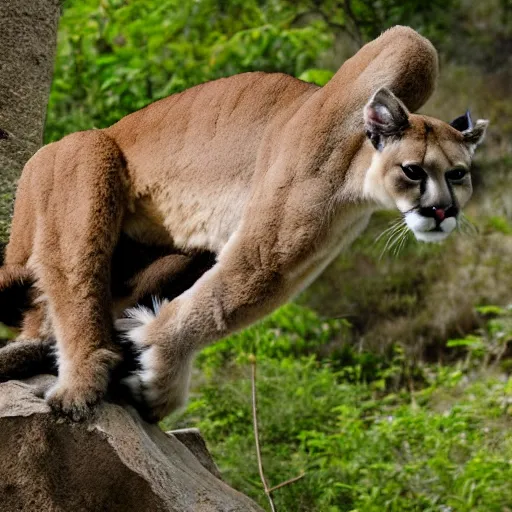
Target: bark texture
[(28, 35), (115, 463)]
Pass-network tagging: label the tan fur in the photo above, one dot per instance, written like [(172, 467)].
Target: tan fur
[(273, 174)]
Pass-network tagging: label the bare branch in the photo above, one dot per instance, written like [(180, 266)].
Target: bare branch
[(268, 490), (256, 435), (291, 481), (350, 14)]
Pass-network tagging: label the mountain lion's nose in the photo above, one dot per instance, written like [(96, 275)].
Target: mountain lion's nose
[(439, 213)]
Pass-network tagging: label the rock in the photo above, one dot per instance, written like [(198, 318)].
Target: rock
[(191, 438), (117, 462)]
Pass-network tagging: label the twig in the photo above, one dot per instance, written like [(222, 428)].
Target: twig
[(282, 484), (257, 437), (268, 490), (347, 7)]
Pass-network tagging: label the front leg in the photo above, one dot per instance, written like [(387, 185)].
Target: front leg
[(254, 275), (225, 299)]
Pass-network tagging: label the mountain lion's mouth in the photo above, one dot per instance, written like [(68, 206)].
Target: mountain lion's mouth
[(431, 236), (427, 229)]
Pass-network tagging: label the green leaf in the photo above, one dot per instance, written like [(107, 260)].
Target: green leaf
[(317, 76)]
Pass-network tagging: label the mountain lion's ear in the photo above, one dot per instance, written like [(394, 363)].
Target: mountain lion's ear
[(463, 123), (475, 135), (384, 116)]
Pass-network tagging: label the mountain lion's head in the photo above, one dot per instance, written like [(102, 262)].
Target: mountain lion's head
[(421, 165)]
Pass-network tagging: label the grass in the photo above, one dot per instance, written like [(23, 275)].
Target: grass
[(372, 433)]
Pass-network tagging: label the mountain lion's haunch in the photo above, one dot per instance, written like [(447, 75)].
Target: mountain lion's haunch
[(272, 174)]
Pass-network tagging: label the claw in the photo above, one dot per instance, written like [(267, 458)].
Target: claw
[(71, 405)]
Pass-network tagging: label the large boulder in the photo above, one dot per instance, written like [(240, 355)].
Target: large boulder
[(115, 463)]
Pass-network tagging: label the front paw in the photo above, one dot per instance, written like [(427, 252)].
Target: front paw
[(74, 402), (159, 387), (160, 383)]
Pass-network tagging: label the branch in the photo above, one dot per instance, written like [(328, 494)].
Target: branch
[(282, 484), (350, 14), (256, 435), (268, 490)]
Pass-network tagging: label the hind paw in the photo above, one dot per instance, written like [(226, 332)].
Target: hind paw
[(82, 384)]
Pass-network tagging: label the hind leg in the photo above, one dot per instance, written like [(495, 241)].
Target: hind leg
[(31, 356), (30, 353), (169, 276), (16, 279), (79, 220)]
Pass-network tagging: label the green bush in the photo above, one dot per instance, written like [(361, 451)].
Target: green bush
[(427, 438), (115, 57)]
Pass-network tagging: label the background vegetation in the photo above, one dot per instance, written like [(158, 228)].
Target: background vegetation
[(387, 382)]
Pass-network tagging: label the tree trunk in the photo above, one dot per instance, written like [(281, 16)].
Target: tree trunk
[(28, 35)]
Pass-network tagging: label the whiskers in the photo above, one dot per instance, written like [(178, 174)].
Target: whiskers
[(394, 238), (465, 226)]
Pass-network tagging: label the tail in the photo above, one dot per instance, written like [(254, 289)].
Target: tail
[(27, 358), (16, 285), (22, 359)]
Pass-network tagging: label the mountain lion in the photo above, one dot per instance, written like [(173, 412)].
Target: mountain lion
[(271, 174)]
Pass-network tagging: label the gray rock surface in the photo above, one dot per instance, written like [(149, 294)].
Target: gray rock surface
[(115, 463)]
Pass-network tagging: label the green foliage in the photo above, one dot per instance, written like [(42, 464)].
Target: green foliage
[(317, 76), (6, 333), (364, 20), (394, 439), (292, 331), (115, 56), (500, 224), (490, 343)]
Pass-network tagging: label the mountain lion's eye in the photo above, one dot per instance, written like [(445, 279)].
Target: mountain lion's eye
[(456, 174), (414, 172)]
